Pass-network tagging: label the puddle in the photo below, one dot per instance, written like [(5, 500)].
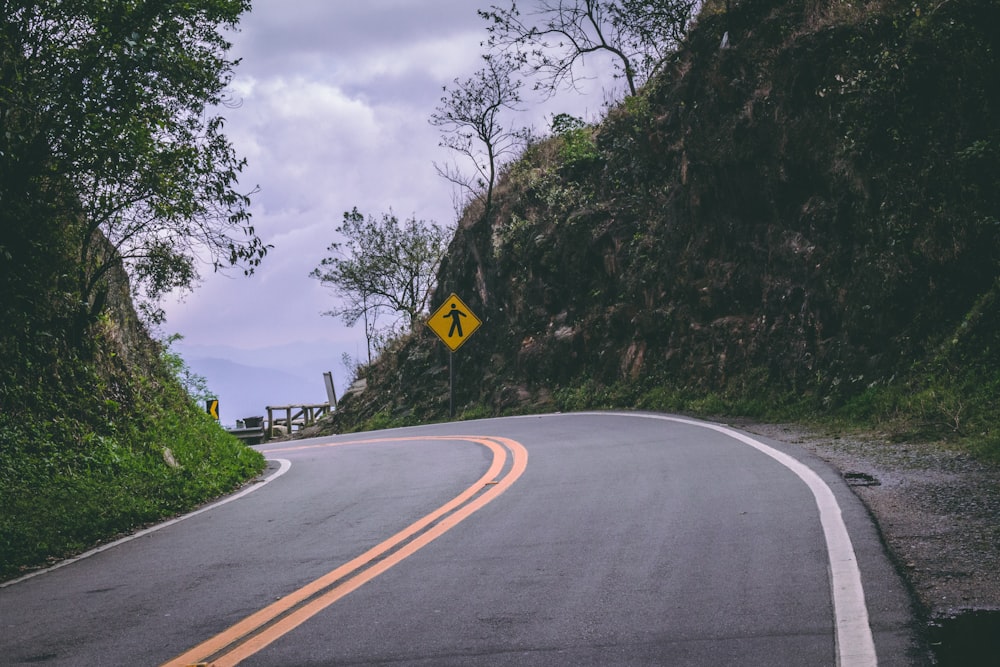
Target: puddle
[(860, 479), (966, 639)]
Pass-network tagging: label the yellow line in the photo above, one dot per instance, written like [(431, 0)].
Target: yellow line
[(250, 635)]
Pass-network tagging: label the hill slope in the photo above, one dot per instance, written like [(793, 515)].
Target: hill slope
[(97, 435), (809, 217)]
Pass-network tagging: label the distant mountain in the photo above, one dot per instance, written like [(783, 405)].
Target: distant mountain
[(246, 381), (245, 391)]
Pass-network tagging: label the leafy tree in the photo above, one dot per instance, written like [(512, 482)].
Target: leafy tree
[(471, 123), (383, 266), (555, 38), (111, 101), (194, 384), (577, 150)]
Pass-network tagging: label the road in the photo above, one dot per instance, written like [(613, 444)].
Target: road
[(578, 539)]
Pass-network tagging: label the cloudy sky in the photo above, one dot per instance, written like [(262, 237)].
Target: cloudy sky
[(333, 105)]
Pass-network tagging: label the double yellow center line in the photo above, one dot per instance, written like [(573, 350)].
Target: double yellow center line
[(265, 626)]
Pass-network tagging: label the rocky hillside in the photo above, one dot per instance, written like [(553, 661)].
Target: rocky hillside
[(807, 215)]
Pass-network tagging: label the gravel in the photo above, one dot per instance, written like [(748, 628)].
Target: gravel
[(938, 510)]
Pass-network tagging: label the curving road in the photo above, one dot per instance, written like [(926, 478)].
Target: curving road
[(578, 539)]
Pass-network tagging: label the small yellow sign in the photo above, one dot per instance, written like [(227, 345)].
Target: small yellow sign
[(212, 408), (453, 322)]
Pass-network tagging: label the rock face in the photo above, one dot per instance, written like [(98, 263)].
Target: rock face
[(810, 211)]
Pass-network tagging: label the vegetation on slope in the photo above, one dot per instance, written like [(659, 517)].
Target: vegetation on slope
[(805, 221), (108, 163), (97, 436)]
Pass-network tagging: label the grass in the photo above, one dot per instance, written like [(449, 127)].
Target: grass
[(956, 409), (65, 487)]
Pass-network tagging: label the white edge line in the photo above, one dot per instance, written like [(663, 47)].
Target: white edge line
[(285, 466), (855, 644)]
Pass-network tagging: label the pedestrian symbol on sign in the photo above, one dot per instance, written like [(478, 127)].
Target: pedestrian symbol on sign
[(456, 321), (453, 322)]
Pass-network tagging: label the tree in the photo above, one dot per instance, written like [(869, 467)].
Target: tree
[(553, 40), (470, 119), (112, 101), (194, 384), (384, 265)]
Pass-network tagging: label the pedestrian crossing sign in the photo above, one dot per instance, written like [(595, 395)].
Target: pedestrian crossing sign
[(453, 322)]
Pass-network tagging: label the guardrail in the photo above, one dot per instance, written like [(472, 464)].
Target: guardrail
[(295, 415), (254, 430), (249, 429)]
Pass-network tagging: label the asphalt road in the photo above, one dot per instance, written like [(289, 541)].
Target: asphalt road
[(586, 539)]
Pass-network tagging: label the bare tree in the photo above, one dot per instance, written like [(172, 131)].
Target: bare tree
[(471, 123), (554, 39)]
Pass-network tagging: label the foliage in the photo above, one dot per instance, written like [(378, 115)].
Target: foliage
[(194, 384), (383, 266), (80, 467), (109, 159), (111, 100), (554, 40), (578, 151), (471, 124)]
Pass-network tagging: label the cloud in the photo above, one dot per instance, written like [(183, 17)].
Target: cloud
[(277, 31), (330, 107)]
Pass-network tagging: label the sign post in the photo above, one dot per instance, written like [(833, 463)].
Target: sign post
[(454, 323)]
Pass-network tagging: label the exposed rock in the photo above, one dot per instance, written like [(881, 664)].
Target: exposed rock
[(168, 458)]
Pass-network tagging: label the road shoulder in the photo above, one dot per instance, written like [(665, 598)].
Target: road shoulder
[(937, 510)]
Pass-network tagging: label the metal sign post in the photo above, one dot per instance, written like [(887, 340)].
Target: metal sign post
[(454, 323)]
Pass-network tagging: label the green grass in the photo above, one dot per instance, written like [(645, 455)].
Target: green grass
[(954, 409), (65, 487)]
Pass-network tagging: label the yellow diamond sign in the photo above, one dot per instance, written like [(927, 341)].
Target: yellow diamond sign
[(453, 322)]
